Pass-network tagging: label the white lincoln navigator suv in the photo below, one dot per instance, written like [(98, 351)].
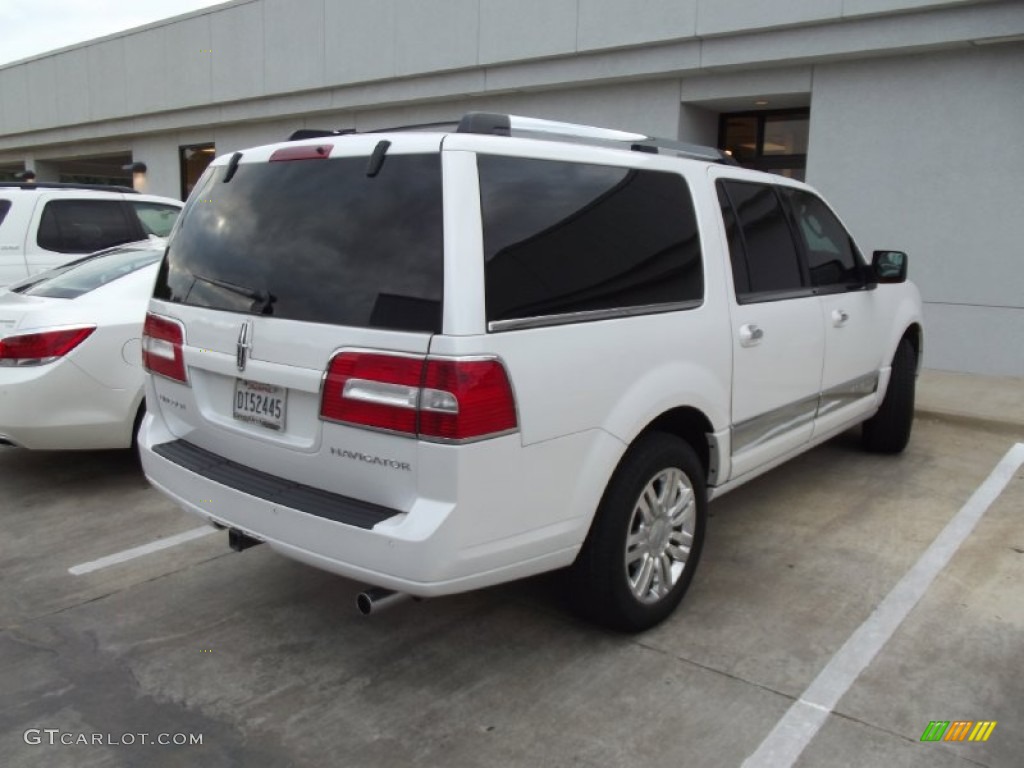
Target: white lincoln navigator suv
[(436, 361)]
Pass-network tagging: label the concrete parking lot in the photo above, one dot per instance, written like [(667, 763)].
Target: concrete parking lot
[(268, 661)]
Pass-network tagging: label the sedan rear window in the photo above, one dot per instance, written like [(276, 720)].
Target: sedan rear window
[(315, 240), (90, 273)]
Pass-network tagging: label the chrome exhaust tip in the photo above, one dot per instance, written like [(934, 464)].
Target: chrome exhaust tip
[(377, 599)]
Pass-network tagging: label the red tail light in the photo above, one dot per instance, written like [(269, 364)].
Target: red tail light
[(434, 399), (373, 390), (41, 348), (481, 395), (162, 341)]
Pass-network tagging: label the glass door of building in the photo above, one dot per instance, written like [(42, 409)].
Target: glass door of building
[(774, 141)]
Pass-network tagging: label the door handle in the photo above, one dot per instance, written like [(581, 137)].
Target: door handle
[(839, 317), (750, 335)]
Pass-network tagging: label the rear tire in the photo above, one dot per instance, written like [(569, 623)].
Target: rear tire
[(888, 431), (645, 542)]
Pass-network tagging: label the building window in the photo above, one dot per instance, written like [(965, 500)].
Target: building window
[(193, 160), (767, 141)]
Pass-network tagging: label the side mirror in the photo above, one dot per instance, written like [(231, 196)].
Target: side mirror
[(889, 266)]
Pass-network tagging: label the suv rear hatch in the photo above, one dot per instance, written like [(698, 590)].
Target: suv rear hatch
[(285, 256)]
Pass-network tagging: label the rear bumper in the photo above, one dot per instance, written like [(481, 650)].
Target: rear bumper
[(60, 407), (267, 487), (434, 547)]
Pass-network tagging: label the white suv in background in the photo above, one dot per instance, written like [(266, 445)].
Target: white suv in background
[(44, 225), (434, 362)]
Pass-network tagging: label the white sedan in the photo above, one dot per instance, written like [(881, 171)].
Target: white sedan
[(70, 356)]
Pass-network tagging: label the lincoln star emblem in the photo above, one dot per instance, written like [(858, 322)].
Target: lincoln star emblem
[(244, 344)]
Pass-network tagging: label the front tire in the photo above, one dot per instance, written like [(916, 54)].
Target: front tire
[(888, 431), (646, 538)]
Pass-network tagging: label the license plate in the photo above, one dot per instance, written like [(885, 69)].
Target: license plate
[(262, 404)]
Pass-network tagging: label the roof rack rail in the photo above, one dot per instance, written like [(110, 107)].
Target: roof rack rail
[(495, 124), (447, 125), (66, 185), (318, 133)]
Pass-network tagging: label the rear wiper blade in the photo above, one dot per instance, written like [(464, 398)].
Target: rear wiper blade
[(262, 301), (232, 167), (376, 161)]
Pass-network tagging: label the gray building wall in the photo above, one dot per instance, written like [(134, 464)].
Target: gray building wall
[(912, 105), (925, 154)]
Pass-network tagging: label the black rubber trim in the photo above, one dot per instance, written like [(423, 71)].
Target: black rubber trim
[(312, 501)]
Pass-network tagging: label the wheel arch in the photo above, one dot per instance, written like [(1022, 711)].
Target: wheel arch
[(915, 335), (137, 411), (691, 425)]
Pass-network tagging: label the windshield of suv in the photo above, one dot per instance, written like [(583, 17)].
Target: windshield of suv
[(84, 275), (157, 218), (315, 240)]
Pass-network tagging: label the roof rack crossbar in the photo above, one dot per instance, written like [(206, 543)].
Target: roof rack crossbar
[(496, 124)]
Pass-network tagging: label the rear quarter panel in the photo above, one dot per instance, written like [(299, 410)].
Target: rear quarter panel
[(586, 390)]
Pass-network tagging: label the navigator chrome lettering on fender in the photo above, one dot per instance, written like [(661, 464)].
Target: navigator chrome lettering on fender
[(366, 458)]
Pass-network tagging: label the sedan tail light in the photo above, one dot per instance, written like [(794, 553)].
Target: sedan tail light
[(162, 341), (41, 348), (447, 399)]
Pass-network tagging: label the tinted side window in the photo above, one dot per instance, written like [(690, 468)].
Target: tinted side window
[(156, 219), (737, 253), (83, 226), (564, 238), (769, 259), (5, 206), (831, 253)]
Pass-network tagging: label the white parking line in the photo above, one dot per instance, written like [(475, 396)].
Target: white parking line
[(791, 735), (145, 549)]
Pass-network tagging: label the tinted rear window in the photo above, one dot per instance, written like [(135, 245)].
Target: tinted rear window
[(90, 273), (315, 240), (5, 206), (563, 238)]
